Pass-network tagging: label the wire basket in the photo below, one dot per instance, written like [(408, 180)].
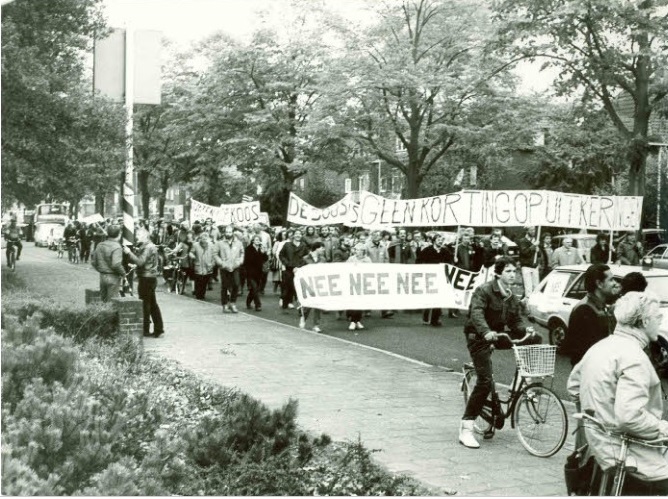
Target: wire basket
[(535, 360)]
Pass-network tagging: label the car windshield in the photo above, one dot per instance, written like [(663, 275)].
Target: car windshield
[(659, 286)]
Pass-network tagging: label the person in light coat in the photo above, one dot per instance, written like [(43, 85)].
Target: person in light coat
[(616, 383)]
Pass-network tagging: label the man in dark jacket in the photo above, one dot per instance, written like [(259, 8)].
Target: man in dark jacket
[(528, 247), (591, 319), (494, 308), (600, 252), (435, 253), (108, 261), (292, 256), (146, 260)]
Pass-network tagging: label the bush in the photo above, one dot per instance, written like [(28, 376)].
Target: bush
[(96, 320)]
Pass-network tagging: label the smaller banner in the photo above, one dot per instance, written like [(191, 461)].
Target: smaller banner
[(264, 218), (90, 219), (461, 284), (302, 213), (226, 214)]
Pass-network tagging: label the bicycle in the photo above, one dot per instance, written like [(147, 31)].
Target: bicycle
[(74, 254), (127, 283), (175, 277), (535, 411), (11, 253), (619, 471)]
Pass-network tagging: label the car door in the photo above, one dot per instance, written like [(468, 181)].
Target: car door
[(548, 299), (660, 256), (573, 294)]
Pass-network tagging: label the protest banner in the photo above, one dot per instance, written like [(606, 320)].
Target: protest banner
[(384, 286), (501, 209), (302, 213), (226, 214)]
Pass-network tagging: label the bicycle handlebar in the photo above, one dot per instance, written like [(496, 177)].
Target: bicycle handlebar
[(656, 442), (514, 341)]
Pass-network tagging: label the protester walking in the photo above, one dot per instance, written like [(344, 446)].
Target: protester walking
[(292, 256), (254, 258), (355, 316), (229, 256), (315, 256), (437, 253), (203, 264), (528, 247)]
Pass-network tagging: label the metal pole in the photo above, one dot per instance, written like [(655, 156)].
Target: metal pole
[(659, 164), (128, 186), (535, 255), (610, 248)]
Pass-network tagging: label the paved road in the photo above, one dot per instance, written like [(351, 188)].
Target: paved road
[(408, 409)]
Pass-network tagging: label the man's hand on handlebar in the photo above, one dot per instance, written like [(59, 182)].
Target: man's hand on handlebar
[(493, 336)]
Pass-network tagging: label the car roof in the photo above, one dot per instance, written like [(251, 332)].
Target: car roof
[(618, 270)]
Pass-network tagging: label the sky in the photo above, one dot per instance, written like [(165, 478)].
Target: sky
[(187, 21)]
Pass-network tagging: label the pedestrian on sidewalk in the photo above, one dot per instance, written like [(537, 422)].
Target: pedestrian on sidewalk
[(355, 316), (317, 255), (494, 307), (108, 261), (203, 263), (254, 258), (229, 255), (146, 261)]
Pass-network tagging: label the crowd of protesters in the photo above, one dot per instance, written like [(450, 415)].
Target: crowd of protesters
[(245, 260)]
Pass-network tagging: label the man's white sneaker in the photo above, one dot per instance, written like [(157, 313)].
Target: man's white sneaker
[(351, 327), (316, 329), (466, 436), (359, 325), (302, 323), (233, 309), (290, 305)]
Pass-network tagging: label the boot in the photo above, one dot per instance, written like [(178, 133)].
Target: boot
[(466, 436)]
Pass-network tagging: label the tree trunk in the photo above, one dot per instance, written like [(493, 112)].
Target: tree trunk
[(142, 184), (413, 180), (99, 203), (164, 185)]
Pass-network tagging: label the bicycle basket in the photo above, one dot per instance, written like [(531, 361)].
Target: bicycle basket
[(535, 360)]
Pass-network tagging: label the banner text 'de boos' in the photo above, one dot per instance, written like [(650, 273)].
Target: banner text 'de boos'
[(302, 213), (370, 286), (502, 208), (226, 214)]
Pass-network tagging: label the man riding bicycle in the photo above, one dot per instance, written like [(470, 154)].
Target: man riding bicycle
[(13, 237), (494, 308)]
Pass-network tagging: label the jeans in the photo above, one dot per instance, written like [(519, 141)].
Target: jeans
[(110, 286), (229, 282), (201, 283), (146, 292), (482, 361), (253, 291), (288, 287)]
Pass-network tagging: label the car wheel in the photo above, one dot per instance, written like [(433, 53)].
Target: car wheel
[(557, 330)]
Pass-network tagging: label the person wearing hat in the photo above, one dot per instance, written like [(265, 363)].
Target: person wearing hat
[(107, 259)]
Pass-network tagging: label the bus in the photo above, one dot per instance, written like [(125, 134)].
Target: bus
[(50, 221)]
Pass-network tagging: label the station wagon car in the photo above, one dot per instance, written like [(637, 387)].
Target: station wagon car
[(551, 303)]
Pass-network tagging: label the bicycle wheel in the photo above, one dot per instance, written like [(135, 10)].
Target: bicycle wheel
[(541, 421), (181, 280), (483, 423)]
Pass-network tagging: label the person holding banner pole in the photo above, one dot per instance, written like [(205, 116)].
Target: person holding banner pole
[(436, 253), (292, 256), (316, 255), (528, 247), (355, 316)]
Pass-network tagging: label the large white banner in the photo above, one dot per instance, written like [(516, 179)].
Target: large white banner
[(383, 286), (302, 213), (501, 209), (226, 214)]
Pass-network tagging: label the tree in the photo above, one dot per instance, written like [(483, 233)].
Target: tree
[(414, 78), (610, 50), (46, 107)]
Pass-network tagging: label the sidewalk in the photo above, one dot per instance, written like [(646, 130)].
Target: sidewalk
[(408, 410)]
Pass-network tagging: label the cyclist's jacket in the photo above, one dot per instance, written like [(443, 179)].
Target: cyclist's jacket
[(616, 380), (146, 260), (492, 311), (108, 258)]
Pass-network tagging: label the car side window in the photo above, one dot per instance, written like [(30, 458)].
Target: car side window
[(577, 291), (557, 282)]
